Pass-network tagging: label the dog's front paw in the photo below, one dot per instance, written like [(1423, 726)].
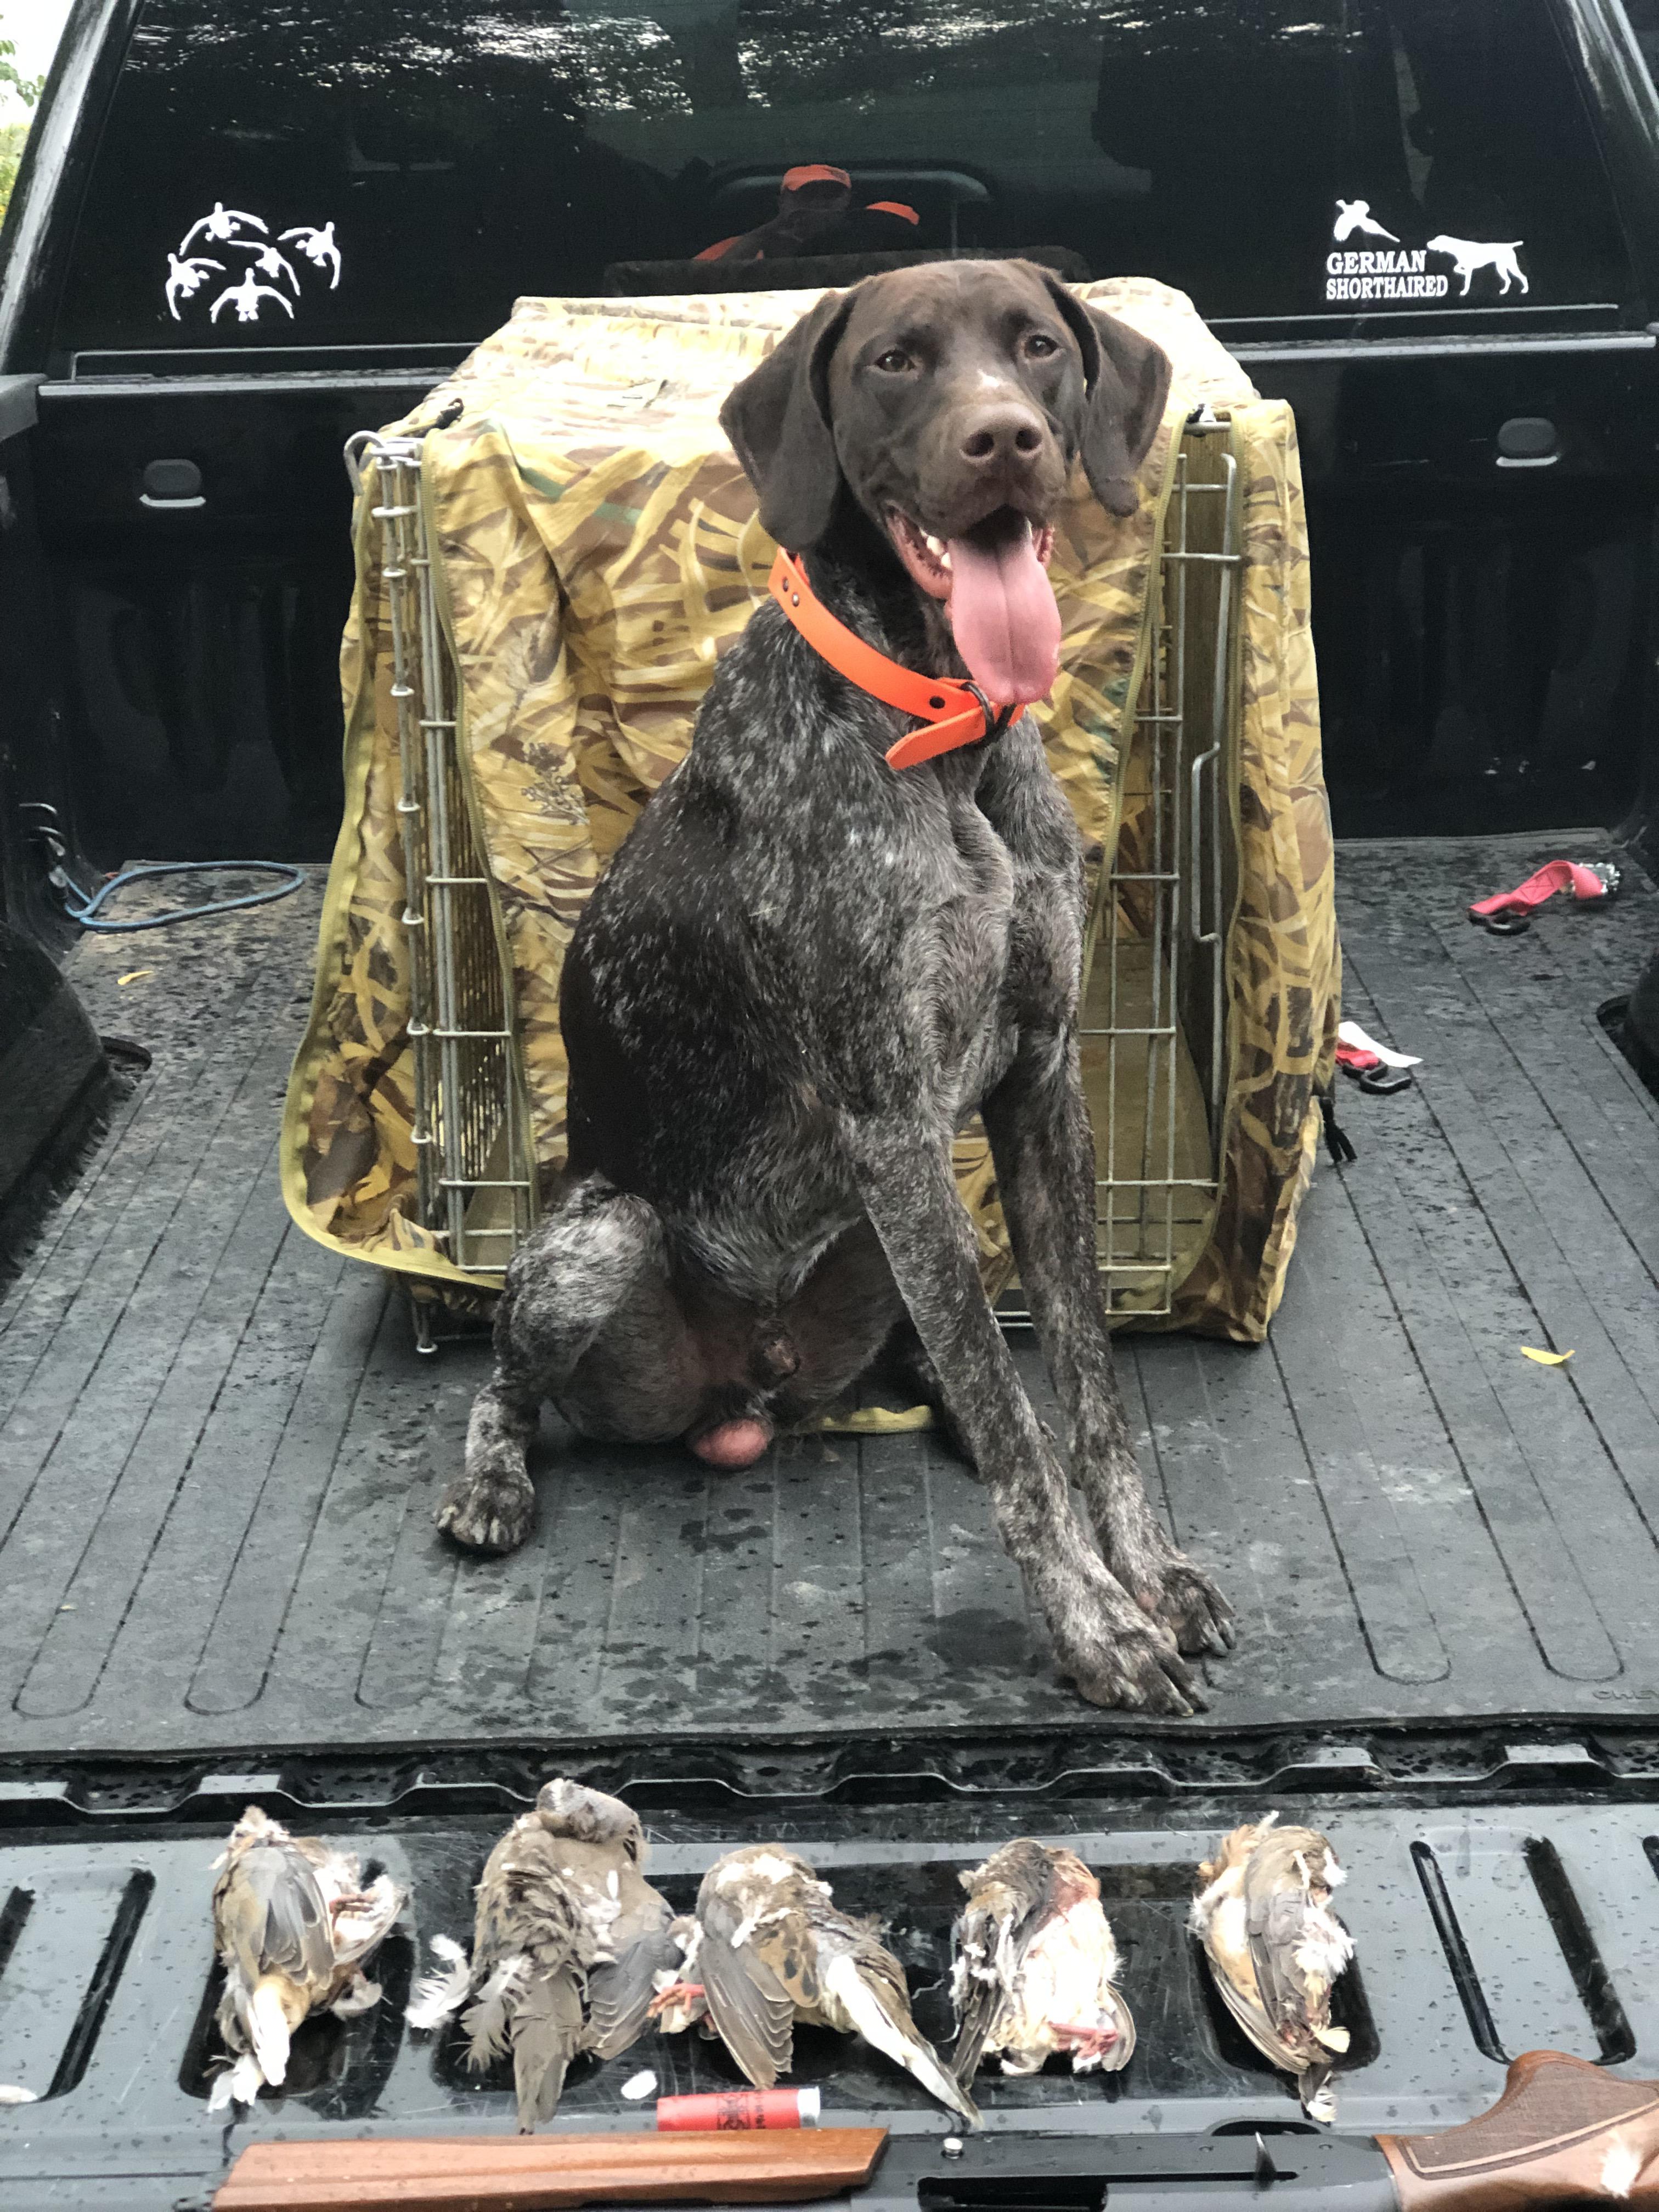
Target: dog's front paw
[(1193, 1609), (487, 1512), (1166, 1584), (1117, 1653)]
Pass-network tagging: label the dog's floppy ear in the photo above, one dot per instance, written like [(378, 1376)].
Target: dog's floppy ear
[(778, 421), (1127, 381)]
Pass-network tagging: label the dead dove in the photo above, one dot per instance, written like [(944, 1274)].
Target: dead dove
[(293, 1922), (768, 1948), (1035, 1965), (1275, 1947), (567, 1943)]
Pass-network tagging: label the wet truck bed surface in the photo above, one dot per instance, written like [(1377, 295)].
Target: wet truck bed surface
[(219, 1450)]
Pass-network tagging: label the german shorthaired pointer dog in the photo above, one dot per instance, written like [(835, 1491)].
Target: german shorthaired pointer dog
[(806, 969)]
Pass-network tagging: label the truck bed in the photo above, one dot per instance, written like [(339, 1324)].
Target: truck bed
[(219, 1448)]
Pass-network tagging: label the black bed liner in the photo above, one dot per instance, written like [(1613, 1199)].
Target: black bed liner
[(219, 1450)]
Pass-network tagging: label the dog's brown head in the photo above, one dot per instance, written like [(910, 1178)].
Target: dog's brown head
[(950, 401)]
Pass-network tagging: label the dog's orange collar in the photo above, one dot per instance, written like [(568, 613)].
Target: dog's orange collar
[(951, 711)]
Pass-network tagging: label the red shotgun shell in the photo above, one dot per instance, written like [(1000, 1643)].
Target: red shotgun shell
[(741, 2108)]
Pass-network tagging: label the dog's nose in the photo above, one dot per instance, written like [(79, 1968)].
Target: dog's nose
[(1004, 435)]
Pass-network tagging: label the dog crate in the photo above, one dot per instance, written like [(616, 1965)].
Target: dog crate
[(1153, 1028)]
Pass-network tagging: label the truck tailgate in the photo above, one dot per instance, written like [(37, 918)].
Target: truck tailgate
[(1483, 1929)]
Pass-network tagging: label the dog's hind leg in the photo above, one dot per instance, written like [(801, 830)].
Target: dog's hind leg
[(1037, 1120), (570, 1277)]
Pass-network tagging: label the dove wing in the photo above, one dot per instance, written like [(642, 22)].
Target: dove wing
[(525, 1904), (980, 1990), (547, 2034), (1254, 2021), (1278, 1910), (1004, 1912), (271, 1913), (1275, 1926), (866, 1994), (619, 1995), (529, 1933), (748, 2000), (1232, 1956)]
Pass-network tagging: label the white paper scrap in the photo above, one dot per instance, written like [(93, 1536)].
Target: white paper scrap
[(1351, 1033)]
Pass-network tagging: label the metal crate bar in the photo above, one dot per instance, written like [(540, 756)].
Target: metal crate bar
[(474, 1184), (1159, 925)]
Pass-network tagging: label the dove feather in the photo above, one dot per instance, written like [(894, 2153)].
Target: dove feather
[(546, 2029), (862, 2003), (488, 2017), (274, 1914), (238, 2084), (443, 1990), (1247, 2010), (1008, 1897), (752, 2008), (268, 2029), (619, 1996), (981, 1980)]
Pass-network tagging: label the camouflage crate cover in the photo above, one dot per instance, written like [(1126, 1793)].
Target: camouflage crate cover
[(597, 547)]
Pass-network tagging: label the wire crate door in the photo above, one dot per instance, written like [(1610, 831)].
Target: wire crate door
[(1154, 1042), (475, 1178)]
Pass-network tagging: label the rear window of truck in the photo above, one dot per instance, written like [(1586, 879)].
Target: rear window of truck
[(333, 172)]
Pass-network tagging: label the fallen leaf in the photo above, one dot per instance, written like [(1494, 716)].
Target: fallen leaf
[(132, 975), (1545, 1359)]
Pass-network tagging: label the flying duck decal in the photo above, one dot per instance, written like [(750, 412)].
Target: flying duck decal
[(220, 224), (268, 274), (245, 298), (318, 248), (186, 278)]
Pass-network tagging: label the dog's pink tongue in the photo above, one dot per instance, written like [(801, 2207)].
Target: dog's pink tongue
[(1003, 615)]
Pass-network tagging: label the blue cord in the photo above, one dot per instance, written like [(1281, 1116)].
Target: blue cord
[(85, 912)]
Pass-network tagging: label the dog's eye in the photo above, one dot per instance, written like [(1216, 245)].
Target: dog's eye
[(1040, 345), (894, 362)]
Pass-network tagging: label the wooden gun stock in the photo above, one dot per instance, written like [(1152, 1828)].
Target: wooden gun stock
[(523, 2173), (1562, 2132)]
